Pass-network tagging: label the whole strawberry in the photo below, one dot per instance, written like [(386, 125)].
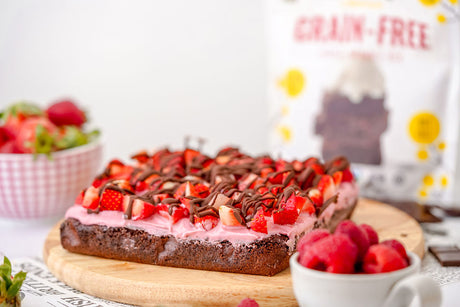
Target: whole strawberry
[(66, 113), (36, 136)]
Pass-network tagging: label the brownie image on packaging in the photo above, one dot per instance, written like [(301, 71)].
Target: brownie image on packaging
[(353, 116)]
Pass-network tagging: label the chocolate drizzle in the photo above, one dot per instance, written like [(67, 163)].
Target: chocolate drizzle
[(231, 179)]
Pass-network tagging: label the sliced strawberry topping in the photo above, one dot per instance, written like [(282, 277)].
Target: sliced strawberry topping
[(230, 216), (259, 223), (142, 209), (91, 198), (286, 214), (326, 186), (206, 222), (111, 200)]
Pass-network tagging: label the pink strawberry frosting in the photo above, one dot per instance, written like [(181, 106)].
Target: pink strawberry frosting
[(183, 229)]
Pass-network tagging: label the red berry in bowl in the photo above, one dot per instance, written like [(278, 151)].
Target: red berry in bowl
[(356, 234), (65, 113), (381, 258), (248, 302), (397, 246), (333, 254), (372, 235), (310, 238)]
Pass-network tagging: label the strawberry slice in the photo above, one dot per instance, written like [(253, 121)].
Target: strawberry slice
[(202, 190), (177, 213), (316, 197), (79, 199), (347, 175), (338, 177), (265, 172), (259, 223), (206, 222), (111, 200), (91, 198), (248, 182), (158, 198), (142, 210), (189, 155), (286, 214), (141, 157), (230, 216), (327, 186)]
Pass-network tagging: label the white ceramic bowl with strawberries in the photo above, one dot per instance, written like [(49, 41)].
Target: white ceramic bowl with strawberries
[(41, 186)]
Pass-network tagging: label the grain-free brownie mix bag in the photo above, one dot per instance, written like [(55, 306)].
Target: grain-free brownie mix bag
[(376, 81)]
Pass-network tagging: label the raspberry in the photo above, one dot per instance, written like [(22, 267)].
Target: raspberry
[(334, 253), (356, 234), (371, 233), (248, 302), (381, 258), (310, 238), (397, 246)]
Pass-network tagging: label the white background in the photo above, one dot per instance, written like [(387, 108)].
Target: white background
[(149, 72)]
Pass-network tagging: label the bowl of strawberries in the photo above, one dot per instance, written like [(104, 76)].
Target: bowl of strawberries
[(47, 156), (351, 267)]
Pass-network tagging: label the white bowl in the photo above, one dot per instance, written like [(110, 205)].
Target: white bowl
[(33, 187), (397, 288)]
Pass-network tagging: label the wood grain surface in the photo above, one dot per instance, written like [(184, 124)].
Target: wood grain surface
[(151, 285)]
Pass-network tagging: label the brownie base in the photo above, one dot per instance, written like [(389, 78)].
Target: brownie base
[(267, 256), (263, 257)]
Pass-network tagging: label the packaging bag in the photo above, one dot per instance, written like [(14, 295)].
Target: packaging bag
[(375, 81)]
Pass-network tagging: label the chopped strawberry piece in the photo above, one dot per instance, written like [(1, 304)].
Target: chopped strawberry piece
[(286, 214), (91, 198), (319, 170), (141, 157), (158, 198), (98, 182), (327, 186), (259, 223), (142, 210), (190, 190), (79, 199), (230, 216), (180, 191), (189, 155), (201, 190), (177, 212), (311, 161), (111, 200), (141, 186), (265, 172), (347, 175), (206, 222), (316, 197), (298, 166), (337, 176), (247, 182)]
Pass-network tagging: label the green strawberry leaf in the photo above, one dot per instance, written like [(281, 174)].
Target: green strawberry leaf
[(71, 136), (18, 279), (43, 141), (5, 268), (2, 289), (24, 108)]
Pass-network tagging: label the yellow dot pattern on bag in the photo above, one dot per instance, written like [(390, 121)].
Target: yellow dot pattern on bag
[(285, 133), (453, 1), (444, 181), (441, 18), (285, 110), (423, 193), (422, 154), (429, 2), (293, 82), (442, 146), (428, 180), (424, 128)]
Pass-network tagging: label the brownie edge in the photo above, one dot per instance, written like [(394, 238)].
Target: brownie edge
[(267, 256)]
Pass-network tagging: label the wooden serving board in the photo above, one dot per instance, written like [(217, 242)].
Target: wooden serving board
[(152, 285)]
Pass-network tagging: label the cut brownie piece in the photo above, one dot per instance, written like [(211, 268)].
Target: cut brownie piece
[(230, 213)]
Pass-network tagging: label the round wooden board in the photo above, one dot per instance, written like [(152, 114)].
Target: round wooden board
[(151, 285)]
